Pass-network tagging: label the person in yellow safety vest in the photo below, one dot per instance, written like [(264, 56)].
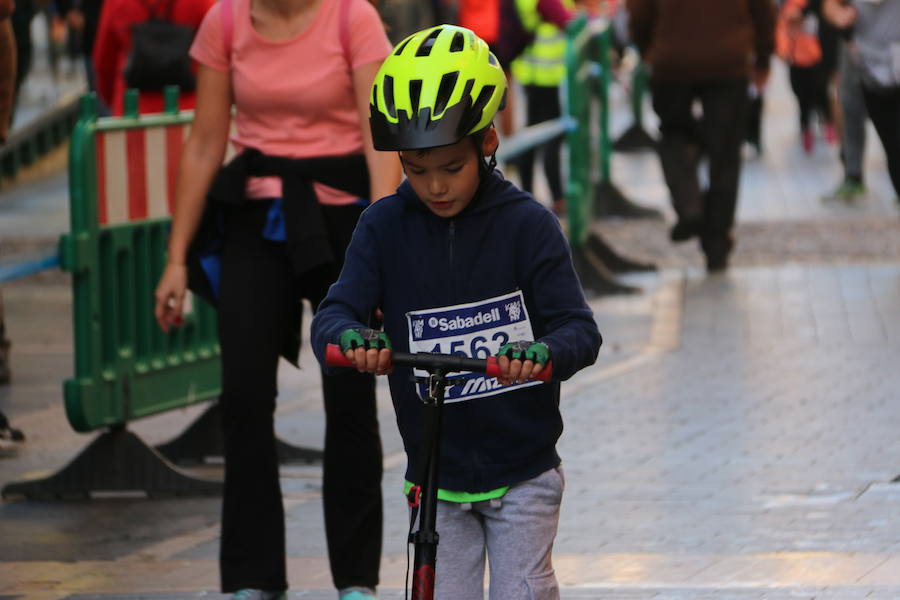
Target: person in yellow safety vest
[(540, 70)]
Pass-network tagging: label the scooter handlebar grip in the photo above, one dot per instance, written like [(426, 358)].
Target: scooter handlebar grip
[(335, 358), (492, 369)]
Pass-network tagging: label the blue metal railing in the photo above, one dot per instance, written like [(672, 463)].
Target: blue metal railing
[(533, 136), (23, 268), (522, 141)]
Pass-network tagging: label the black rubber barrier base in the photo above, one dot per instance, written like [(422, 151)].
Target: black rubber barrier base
[(634, 139), (609, 201), (595, 277), (116, 461), (202, 440), (614, 261)]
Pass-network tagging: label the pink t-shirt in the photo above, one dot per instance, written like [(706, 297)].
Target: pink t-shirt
[(295, 98)]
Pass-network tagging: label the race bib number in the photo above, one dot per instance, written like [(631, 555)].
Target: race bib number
[(475, 330)]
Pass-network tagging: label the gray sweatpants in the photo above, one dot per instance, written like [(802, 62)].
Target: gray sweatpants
[(853, 107), (516, 532)]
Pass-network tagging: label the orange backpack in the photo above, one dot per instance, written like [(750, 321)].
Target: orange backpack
[(796, 35)]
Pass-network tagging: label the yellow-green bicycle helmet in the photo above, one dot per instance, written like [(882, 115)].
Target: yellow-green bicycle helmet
[(436, 87)]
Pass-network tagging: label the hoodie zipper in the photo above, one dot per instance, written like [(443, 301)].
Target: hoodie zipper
[(475, 422), (451, 239), (451, 236)]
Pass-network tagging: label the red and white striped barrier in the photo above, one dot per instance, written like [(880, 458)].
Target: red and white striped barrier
[(136, 172)]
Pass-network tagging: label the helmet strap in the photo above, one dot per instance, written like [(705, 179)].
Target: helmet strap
[(485, 165)]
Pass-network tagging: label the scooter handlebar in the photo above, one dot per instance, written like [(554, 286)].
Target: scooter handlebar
[(430, 361)]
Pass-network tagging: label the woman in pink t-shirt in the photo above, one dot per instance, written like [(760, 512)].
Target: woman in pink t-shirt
[(279, 218)]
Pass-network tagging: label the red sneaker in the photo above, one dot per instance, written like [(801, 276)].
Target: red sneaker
[(808, 141)]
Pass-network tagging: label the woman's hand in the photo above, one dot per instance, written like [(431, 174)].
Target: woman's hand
[(170, 293)]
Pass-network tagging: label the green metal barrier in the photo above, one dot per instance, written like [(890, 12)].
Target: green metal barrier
[(122, 174), (589, 149), (126, 367), (580, 73)]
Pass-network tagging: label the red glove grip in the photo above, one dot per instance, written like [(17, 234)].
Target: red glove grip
[(335, 358), (493, 369)]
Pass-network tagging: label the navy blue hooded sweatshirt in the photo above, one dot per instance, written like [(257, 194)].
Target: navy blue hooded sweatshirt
[(405, 258)]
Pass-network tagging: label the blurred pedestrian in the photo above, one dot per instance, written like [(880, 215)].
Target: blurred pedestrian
[(508, 27), (707, 51), (852, 106), (874, 26), (7, 70), (540, 70), (405, 17), (279, 217), (755, 108), (84, 16), (11, 439), (7, 90), (808, 45), (445, 11), (482, 17), (113, 48), (21, 26)]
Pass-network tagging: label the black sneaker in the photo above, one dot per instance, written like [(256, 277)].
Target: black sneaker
[(716, 264), (682, 231)]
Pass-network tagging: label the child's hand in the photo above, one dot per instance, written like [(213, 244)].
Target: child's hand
[(368, 350), (521, 361)]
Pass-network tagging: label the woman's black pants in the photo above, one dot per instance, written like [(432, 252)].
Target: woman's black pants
[(810, 86), (259, 296), (543, 105)]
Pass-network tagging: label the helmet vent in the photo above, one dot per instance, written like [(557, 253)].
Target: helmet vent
[(484, 96), (402, 46), (492, 59), (458, 43), (428, 43), (388, 93), (448, 83), (415, 92)]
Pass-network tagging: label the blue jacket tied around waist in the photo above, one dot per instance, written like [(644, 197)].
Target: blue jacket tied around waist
[(405, 258)]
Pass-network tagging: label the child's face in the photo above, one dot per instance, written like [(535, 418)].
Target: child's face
[(446, 178)]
